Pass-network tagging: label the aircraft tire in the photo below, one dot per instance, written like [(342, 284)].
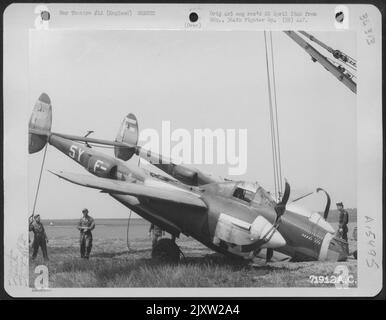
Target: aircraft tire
[(166, 251)]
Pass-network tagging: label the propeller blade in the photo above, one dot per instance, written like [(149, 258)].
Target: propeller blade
[(269, 255), (327, 208), (280, 207), (287, 191)]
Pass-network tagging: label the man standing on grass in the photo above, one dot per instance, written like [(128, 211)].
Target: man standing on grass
[(343, 221), (40, 237), (156, 233), (85, 226)]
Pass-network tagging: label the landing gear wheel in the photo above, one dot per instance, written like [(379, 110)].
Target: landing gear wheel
[(166, 250)]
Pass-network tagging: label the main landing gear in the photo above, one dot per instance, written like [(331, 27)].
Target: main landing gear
[(166, 250)]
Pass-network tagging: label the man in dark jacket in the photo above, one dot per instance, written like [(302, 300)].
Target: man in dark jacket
[(156, 233), (85, 226), (343, 221), (40, 237)]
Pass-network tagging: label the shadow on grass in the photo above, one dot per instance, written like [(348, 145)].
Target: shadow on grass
[(215, 259), (110, 255), (272, 267)]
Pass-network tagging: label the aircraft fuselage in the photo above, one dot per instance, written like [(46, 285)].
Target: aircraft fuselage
[(228, 222)]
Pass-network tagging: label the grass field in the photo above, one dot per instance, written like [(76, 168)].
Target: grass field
[(113, 265)]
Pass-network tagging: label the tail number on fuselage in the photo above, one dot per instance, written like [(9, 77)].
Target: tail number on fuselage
[(99, 164), (74, 150)]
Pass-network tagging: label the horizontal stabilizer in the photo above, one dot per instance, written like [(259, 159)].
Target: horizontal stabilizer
[(133, 189), (93, 140)]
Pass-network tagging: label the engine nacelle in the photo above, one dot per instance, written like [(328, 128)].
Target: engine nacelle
[(192, 177), (185, 175), (239, 236), (102, 167)]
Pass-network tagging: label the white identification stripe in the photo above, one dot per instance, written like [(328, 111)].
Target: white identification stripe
[(324, 247), (132, 121)]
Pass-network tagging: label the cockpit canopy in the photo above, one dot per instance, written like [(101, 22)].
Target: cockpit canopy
[(249, 193), (245, 191)]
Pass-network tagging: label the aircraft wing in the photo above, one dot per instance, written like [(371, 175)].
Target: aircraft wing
[(138, 190)]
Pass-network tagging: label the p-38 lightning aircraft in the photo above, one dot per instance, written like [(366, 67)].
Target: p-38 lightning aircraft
[(238, 219)]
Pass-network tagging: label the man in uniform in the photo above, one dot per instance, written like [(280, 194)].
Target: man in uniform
[(343, 221), (156, 233), (40, 237), (85, 226)]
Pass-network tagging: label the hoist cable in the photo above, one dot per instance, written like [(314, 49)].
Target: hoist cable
[(274, 136), (271, 116), (40, 178), (277, 119), (270, 113)]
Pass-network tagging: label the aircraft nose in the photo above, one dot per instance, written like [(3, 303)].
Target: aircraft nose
[(262, 228), (276, 240)]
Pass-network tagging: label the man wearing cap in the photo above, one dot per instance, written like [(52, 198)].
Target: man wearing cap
[(343, 221), (85, 226), (40, 237)]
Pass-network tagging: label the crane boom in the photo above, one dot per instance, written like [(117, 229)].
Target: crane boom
[(337, 54), (312, 38), (337, 72)]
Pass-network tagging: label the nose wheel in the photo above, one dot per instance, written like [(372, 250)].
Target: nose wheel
[(166, 250)]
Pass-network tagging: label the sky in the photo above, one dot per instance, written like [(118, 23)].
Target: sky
[(195, 80)]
